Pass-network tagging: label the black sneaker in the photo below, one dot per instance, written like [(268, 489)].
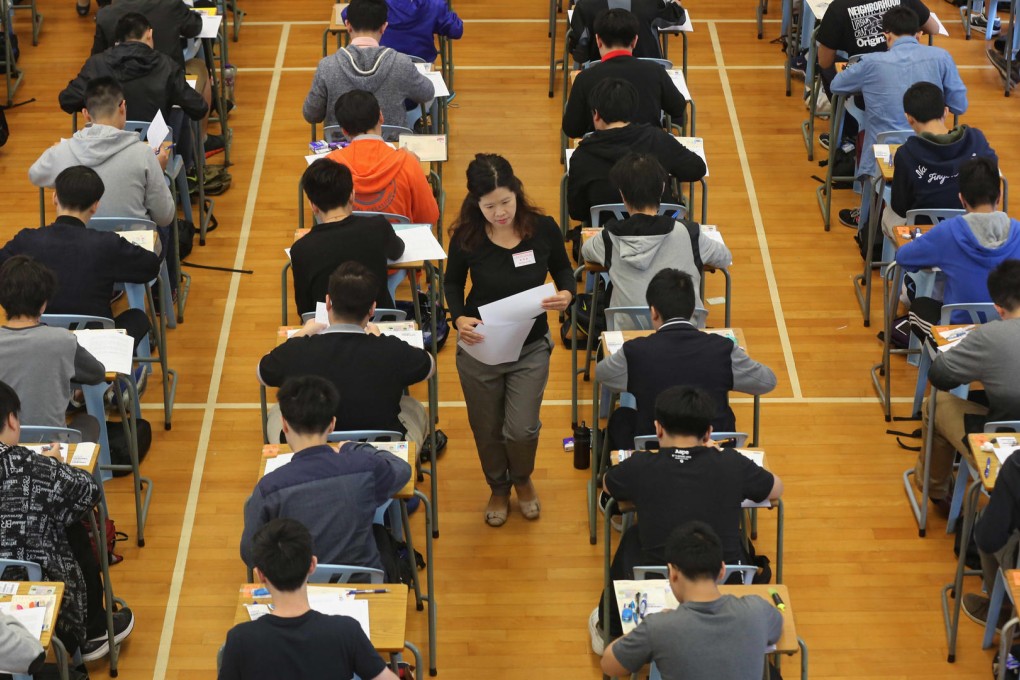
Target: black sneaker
[(979, 22), (98, 647), (823, 140), (999, 62), (798, 66), (850, 217)]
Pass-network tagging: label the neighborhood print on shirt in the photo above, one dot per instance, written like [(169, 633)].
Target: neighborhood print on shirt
[(866, 21)]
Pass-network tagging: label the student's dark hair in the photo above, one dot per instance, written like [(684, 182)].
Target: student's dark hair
[(979, 181), (671, 292), (486, 173), (1004, 285), (684, 411), (9, 403), (78, 187), (924, 101), (357, 112), (695, 551), (640, 178), (102, 96), (352, 290), (616, 27), (327, 184), (131, 26), (25, 286), (615, 99), (900, 20), (282, 550), (308, 403), (367, 15)]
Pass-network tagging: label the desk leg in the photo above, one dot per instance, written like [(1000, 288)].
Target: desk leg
[(104, 565), (61, 656), (433, 470), (607, 582), (578, 273), (862, 283), (418, 663), (552, 46), (409, 539), (955, 589), (430, 581), (593, 485), (780, 532)]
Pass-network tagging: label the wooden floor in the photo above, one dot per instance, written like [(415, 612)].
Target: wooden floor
[(514, 602)]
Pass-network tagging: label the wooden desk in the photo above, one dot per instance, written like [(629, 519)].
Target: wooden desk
[(336, 19), (986, 462), (88, 467), (904, 234), (630, 335), (887, 168), (659, 594), (50, 624), (274, 450), (941, 340), (387, 612)]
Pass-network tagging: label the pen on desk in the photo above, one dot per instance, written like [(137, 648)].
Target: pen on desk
[(988, 466), (776, 599), (376, 591)]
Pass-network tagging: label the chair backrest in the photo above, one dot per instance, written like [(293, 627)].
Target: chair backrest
[(893, 136), (364, 436), (394, 218), (41, 434), (664, 63), (142, 128), (381, 314), (333, 133), (619, 211), (121, 224), (33, 570), (1002, 426), (390, 133), (325, 573), (75, 321), (739, 439), (979, 312), (746, 571), (932, 215), (630, 318)]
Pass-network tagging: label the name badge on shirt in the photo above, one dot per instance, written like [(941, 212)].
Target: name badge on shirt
[(525, 258)]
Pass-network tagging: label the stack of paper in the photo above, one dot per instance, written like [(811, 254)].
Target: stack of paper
[(883, 153), (210, 26), (338, 13), (277, 462), (419, 243), (396, 448), (113, 348), (82, 453), (330, 601), (612, 341), (697, 145), (413, 338), (506, 324), (441, 90), (143, 238), (33, 619), (427, 148), (677, 76), (396, 326)]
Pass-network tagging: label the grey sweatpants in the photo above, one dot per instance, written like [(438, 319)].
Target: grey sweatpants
[(503, 404)]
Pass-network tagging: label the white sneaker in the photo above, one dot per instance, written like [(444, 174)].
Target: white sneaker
[(822, 107), (598, 645)]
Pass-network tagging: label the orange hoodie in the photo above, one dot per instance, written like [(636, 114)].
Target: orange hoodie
[(388, 180)]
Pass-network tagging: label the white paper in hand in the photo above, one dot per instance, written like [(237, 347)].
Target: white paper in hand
[(523, 306), (158, 130), (210, 26), (502, 343), (321, 314), (114, 349), (613, 341)]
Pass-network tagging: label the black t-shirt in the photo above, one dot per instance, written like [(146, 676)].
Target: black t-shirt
[(312, 646), (855, 26), (370, 373), (673, 486), (497, 272)]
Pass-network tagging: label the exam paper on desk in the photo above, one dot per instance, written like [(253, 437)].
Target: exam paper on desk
[(113, 348), (697, 145), (502, 344), (32, 618), (419, 243), (334, 602)]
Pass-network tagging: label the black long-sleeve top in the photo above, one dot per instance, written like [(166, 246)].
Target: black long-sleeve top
[(1002, 516), (494, 275)]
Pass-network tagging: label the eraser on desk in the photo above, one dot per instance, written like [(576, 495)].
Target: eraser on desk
[(568, 444), (320, 146)]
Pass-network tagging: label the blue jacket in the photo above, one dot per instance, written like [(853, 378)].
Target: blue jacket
[(952, 247), (413, 25)]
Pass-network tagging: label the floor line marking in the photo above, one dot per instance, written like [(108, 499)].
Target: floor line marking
[(184, 545), (759, 227)]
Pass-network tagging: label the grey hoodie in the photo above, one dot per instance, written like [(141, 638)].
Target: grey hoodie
[(644, 245), (389, 75), (135, 184)]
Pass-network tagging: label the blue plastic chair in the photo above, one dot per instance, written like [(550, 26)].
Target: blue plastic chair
[(42, 434), (324, 573)]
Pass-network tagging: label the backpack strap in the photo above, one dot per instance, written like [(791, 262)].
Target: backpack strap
[(694, 231)]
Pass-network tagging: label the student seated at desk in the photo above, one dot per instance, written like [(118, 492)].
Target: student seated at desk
[(676, 354), (648, 14), (171, 20), (882, 79), (334, 493), (413, 26), (996, 536), (126, 164), (638, 247), (371, 371), (614, 102), (616, 32), (339, 236), (927, 165), (40, 362), (990, 354), (709, 635), (151, 81), (385, 179), (966, 248), (19, 649), (365, 65), (294, 641), (42, 502), (688, 478), (87, 262)]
